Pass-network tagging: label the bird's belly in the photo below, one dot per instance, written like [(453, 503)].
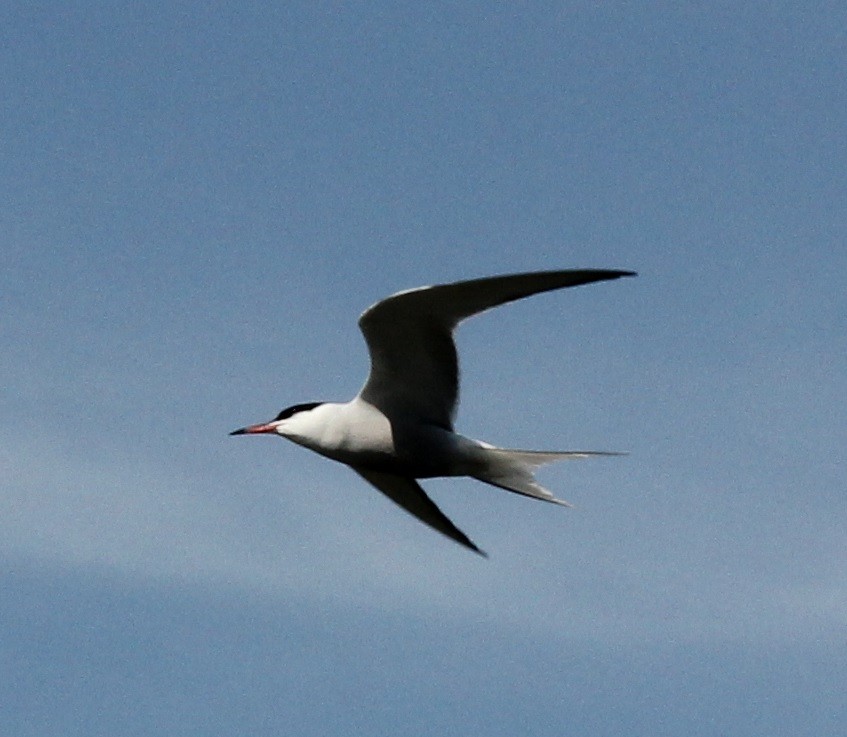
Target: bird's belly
[(438, 452), (413, 449), (426, 451)]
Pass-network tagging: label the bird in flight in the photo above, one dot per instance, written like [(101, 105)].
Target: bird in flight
[(399, 428)]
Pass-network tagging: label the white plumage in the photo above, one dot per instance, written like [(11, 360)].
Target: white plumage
[(399, 427)]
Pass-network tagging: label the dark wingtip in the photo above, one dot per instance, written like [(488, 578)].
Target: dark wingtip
[(470, 545)]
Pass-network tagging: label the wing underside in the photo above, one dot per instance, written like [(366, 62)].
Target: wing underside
[(407, 493), (414, 365)]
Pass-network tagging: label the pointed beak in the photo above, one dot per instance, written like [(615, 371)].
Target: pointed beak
[(265, 427)]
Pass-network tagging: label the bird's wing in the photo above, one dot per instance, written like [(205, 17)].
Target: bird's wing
[(407, 493), (414, 366)]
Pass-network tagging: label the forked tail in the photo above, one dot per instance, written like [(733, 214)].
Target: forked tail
[(514, 470)]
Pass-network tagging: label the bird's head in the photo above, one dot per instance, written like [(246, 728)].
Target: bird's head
[(285, 423)]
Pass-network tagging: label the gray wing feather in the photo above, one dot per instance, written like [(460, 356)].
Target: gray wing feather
[(414, 366), (408, 494)]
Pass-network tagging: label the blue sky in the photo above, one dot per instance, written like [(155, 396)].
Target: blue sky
[(198, 199)]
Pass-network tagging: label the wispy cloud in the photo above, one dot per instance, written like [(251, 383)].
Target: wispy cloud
[(333, 540)]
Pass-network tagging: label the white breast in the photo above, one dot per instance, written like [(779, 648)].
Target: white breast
[(342, 431)]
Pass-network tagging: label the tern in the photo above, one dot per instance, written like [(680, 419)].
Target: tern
[(399, 427)]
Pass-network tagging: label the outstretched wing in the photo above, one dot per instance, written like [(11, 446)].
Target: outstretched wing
[(408, 494), (414, 366)]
